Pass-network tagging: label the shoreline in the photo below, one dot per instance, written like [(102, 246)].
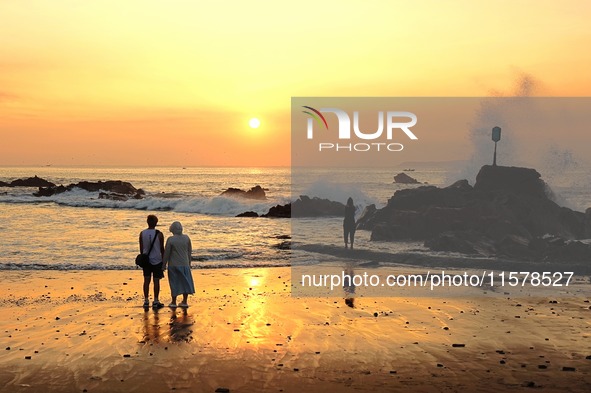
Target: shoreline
[(87, 331)]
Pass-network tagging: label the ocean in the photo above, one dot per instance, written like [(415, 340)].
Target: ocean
[(77, 230)]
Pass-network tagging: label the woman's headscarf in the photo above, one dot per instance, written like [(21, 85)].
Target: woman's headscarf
[(176, 228)]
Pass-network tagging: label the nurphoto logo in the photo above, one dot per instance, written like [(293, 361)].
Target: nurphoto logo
[(394, 120)]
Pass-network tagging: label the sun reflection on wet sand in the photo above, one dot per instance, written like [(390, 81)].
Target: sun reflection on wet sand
[(255, 320)]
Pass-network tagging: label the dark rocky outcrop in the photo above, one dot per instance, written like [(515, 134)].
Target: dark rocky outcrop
[(110, 189), (49, 191), (515, 180), (588, 223), (114, 196), (256, 192), (248, 214), (305, 206), (279, 211), (366, 215), (34, 181), (504, 214), (405, 179)]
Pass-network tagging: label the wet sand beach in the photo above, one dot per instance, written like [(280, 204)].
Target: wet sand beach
[(85, 331)]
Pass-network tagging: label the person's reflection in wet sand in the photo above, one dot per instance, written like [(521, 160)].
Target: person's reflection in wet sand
[(180, 326), (349, 286), (151, 322)]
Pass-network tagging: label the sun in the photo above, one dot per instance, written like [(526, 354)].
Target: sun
[(254, 123)]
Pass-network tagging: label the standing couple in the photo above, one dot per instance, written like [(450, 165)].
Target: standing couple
[(176, 256)]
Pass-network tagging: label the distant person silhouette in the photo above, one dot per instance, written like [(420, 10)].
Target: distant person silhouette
[(349, 222), (147, 236)]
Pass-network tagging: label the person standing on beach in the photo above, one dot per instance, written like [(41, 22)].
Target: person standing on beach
[(177, 256), (155, 266), (349, 222)]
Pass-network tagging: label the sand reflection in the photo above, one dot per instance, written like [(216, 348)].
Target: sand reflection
[(167, 325), (255, 319)]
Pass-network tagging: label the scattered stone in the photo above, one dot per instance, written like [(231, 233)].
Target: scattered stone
[(542, 366), (569, 369), (458, 345), (375, 314), (222, 390), (27, 357), (127, 355), (439, 365)]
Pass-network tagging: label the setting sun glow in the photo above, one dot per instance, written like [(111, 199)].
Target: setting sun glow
[(254, 123)]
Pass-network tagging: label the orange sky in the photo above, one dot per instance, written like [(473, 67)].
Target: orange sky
[(175, 82)]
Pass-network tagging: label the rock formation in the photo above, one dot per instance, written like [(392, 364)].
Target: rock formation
[(305, 206), (34, 181), (256, 192), (507, 213), (405, 179), (110, 189)]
